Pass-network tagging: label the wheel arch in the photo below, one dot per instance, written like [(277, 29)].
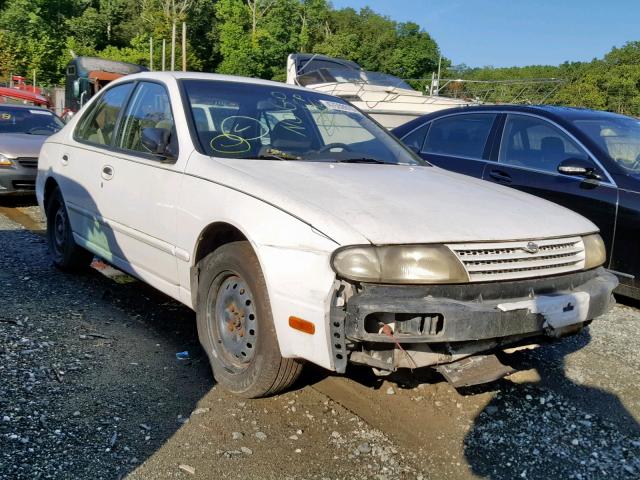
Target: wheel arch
[(50, 185), (211, 238)]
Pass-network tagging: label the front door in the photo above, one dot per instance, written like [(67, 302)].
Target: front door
[(530, 152), (143, 189), (626, 254)]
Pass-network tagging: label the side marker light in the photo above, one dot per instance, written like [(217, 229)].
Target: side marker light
[(302, 325)]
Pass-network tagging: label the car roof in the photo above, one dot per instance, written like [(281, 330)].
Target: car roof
[(22, 106), (166, 76), (555, 112)]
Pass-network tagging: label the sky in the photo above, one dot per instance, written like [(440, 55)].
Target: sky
[(504, 33)]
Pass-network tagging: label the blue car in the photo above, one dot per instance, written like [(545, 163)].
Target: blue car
[(586, 160)]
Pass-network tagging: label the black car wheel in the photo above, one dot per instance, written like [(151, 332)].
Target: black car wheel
[(66, 254), (235, 325)]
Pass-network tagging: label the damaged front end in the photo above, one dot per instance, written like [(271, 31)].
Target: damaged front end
[(389, 327)]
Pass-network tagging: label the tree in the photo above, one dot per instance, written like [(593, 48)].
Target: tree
[(314, 17), (415, 54)]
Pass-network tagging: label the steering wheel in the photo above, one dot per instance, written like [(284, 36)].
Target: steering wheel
[(331, 146)]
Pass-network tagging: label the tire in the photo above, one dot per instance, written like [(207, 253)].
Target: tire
[(66, 254), (235, 325)]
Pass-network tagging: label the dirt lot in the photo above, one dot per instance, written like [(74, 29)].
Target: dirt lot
[(90, 387)]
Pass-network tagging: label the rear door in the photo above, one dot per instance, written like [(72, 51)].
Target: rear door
[(79, 170), (531, 149), (459, 142)]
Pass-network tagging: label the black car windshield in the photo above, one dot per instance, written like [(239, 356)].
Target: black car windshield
[(33, 121), (619, 136), (253, 121)]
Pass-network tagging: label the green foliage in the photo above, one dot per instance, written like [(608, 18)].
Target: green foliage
[(611, 83), (243, 37), (254, 37)]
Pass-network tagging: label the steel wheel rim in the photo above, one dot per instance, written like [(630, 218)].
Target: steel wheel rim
[(59, 228), (235, 319)]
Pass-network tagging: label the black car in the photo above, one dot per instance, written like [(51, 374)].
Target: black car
[(586, 160)]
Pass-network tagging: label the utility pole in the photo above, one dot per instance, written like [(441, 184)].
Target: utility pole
[(151, 54), (164, 47), (173, 47), (34, 80), (184, 46), (436, 90)]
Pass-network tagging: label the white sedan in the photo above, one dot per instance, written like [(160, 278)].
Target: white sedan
[(299, 229)]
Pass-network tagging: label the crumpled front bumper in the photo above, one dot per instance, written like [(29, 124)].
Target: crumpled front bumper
[(448, 318)]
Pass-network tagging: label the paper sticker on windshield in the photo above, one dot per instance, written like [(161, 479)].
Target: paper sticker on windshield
[(341, 107), (40, 112), (5, 116)]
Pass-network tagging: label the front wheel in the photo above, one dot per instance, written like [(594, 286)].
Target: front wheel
[(67, 255), (235, 325)]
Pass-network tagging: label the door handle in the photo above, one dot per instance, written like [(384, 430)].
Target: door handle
[(500, 176), (107, 172), (65, 159)]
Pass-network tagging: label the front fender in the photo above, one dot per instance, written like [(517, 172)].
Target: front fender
[(293, 256)]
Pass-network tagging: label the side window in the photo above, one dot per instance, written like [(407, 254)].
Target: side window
[(415, 139), (535, 143), (149, 108), (462, 135), (97, 124)]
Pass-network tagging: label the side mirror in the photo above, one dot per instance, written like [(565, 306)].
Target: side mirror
[(76, 88), (579, 168), (67, 116), (156, 140)]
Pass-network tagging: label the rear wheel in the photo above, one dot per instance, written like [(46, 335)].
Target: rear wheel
[(66, 254), (235, 324)]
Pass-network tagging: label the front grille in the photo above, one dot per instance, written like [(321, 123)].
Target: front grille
[(28, 162), (24, 184), (494, 261)]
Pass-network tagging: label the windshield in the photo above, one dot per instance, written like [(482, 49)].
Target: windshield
[(237, 120), (28, 120), (349, 75), (619, 136)]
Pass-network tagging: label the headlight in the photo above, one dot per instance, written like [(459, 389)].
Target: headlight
[(595, 253), (5, 161), (399, 264)]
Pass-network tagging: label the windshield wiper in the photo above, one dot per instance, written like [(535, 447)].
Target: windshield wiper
[(362, 160), (272, 154)]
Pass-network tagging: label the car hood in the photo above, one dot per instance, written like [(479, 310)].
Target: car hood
[(21, 144), (391, 204)]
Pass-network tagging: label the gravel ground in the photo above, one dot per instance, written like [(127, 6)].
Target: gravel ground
[(90, 387)]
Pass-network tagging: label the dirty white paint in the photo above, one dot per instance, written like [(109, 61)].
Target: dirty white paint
[(558, 310), (149, 215)]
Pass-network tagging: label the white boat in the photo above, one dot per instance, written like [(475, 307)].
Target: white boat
[(388, 99)]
